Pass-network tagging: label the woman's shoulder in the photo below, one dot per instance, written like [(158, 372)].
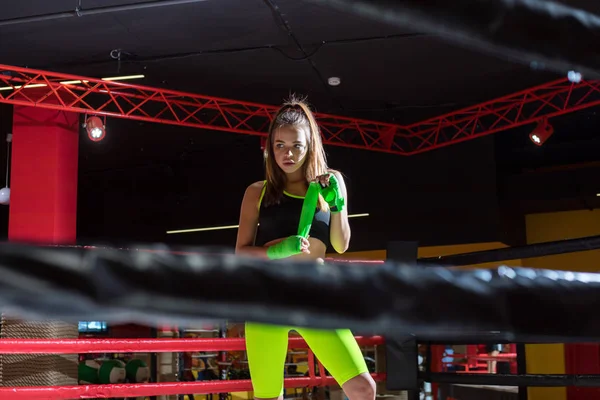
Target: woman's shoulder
[(255, 188), (257, 185)]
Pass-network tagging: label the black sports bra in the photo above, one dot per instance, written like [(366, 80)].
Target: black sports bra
[(281, 220)]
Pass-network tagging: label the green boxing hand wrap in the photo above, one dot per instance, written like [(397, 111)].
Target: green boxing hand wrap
[(308, 209), (333, 195), (287, 247)]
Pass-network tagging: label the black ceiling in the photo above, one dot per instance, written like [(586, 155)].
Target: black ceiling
[(262, 50)]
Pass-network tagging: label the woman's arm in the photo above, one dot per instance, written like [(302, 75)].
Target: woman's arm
[(249, 222), (247, 231), (339, 234)]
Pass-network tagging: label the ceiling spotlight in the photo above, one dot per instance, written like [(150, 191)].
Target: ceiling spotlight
[(95, 128), (541, 133), (334, 81), (574, 76)]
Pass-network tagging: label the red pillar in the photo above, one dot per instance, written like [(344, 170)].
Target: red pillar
[(582, 358), (43, 198)]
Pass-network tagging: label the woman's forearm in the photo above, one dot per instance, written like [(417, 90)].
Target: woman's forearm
[(257, 251), (340, 231)]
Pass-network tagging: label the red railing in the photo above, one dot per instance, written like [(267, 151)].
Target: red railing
[(36, 88)]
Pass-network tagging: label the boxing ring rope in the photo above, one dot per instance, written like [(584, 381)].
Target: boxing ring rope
[(453, 260), (153, 389), (538, 380), (427, 301), (544, 35), (90, 346), (73, 284), (516, 253)]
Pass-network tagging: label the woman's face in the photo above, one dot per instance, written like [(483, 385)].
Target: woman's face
[(290, 148)]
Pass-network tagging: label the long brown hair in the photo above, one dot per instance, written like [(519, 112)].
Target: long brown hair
[(294, 112)]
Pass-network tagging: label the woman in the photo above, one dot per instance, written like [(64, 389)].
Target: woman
[(268, 228)]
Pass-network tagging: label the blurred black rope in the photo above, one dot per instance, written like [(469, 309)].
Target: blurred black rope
[(545, 35), (189, 288)]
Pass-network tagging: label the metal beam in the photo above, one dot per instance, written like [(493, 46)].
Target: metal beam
[(121, 100)]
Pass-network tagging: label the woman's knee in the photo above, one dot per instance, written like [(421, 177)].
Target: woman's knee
[(361, 387)]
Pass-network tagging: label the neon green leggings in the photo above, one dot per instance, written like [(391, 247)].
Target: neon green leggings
[(267, 346)]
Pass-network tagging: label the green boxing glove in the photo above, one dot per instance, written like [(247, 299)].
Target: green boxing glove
[(287, 247), (333, 195)]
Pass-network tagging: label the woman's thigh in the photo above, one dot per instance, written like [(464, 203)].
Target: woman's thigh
[(337, 350), (266, 346)]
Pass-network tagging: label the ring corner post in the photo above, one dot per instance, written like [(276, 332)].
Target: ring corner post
[(401, 351)]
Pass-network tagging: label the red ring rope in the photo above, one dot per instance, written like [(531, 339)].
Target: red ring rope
[(184, 253), (87, 346), (152, 389), (339, 260), (67, 346)]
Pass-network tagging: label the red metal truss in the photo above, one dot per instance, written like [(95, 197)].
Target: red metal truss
[(117, 99)]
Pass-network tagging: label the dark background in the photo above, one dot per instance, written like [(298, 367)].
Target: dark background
[(144, 179)]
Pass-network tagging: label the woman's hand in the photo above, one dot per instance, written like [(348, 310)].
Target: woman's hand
[(288, 247), (323, 180), (304, 245), (331, 192)]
